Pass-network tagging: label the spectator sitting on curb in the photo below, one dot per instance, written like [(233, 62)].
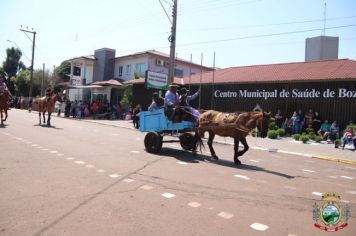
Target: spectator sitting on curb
[(333, 133), (349, 136), (324, 128)]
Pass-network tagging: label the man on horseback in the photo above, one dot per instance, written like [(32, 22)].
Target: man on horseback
[(3, 86), (49, 92)]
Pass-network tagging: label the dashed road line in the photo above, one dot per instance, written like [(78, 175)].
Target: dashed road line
[(168, 195), (194, 204), (259, 226), (146, 187), (242, 177), (317, 193), (114, 175), (225, 215), (182, 163), (346, 177), (310, 171)]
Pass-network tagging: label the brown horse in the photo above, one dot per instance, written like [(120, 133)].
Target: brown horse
[(47, 106), (4, 106), (236, 125)]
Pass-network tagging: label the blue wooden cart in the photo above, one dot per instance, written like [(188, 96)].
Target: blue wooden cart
[(158, 125)]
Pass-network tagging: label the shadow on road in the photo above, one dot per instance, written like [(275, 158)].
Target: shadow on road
[(188, 157), (46, 126)]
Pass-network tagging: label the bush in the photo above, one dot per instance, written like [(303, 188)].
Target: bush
[(296, 136), (272, 134), (304, 138), (312, 136), (272, 125), (281, 132), (318, 139)]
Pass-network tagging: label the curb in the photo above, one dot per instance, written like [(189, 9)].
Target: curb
[(335, 159)]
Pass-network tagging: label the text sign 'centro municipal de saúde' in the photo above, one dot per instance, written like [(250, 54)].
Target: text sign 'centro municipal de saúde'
[(284, 93), (156, 80)]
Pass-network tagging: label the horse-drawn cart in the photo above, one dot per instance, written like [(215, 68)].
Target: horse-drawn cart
[(158, 125)]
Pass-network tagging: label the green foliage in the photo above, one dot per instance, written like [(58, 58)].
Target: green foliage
[(272, 124), (304, 138), (272, 134), (281, 132), (127, 98), (296, 136), (136, 75), (318, 139), (22, 82), (63, 70), (254, 132), (312, 136)]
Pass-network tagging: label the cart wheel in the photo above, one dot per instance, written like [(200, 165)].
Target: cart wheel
[(186, 141), (153, 142)]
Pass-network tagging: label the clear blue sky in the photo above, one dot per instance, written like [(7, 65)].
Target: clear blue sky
[(236, 30)]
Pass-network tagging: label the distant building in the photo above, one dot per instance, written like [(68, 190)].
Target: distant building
[(135, 65), (87, 71), (321, 48)]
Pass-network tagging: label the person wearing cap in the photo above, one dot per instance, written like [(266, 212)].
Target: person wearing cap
[(157, 102), (184, 100), (171, 101)]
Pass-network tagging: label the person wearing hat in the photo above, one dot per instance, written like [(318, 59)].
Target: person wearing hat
[(171, 101), (157, 102), (184, 99)]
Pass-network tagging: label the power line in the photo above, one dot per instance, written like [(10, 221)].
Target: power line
[(265, 35)]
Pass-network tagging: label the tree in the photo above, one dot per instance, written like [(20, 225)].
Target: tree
[(21, 82), (12, 64), (63, 70)]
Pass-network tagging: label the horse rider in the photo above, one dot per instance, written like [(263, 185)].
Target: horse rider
[(49, 92), (171, 101), (3, 87)]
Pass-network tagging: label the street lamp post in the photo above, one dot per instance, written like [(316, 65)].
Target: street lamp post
[(33, 54)]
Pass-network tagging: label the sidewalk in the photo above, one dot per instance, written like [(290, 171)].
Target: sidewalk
[(284, 145)]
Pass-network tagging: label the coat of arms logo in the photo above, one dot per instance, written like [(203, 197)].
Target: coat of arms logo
[(332, 215)]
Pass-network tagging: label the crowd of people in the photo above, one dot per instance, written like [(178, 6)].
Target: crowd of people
[(312, 121)]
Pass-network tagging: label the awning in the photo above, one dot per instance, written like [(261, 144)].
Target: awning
[(85, 86)]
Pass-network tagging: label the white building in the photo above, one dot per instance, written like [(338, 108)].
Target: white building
[(135, 65)]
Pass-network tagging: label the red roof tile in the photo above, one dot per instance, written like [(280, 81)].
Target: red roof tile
[(343, 69)]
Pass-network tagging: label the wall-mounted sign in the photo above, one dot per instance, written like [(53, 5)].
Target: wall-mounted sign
[(156, 80), (284, 93)]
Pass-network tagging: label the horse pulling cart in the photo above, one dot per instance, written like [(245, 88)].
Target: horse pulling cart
[(158, 125)]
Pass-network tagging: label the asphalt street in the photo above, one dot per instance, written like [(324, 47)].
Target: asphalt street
[(84, 178)]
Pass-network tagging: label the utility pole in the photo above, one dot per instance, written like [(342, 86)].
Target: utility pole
[(33, 55), (172, 40)]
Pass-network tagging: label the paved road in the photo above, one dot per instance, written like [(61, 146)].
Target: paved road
[(83, 178)]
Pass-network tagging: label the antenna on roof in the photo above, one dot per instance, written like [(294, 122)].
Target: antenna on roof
[(324, 21)]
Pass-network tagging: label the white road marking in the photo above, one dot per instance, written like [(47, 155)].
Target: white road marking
[(90, 166), (101, 171), (146, 187), (259, 227), (351, 192), (310, 171), (194, 204), (135, 152), (182, 163), (138, 139), (128, 180), (317, 193), (254, 161), (168, 195), (350, 167), (346, 177), (242, 177), (69, 158), (173, 145), (79, 162), (114, 175), (225, 215), (332, 177), (344, 201), (53, 151), (20, 139)]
